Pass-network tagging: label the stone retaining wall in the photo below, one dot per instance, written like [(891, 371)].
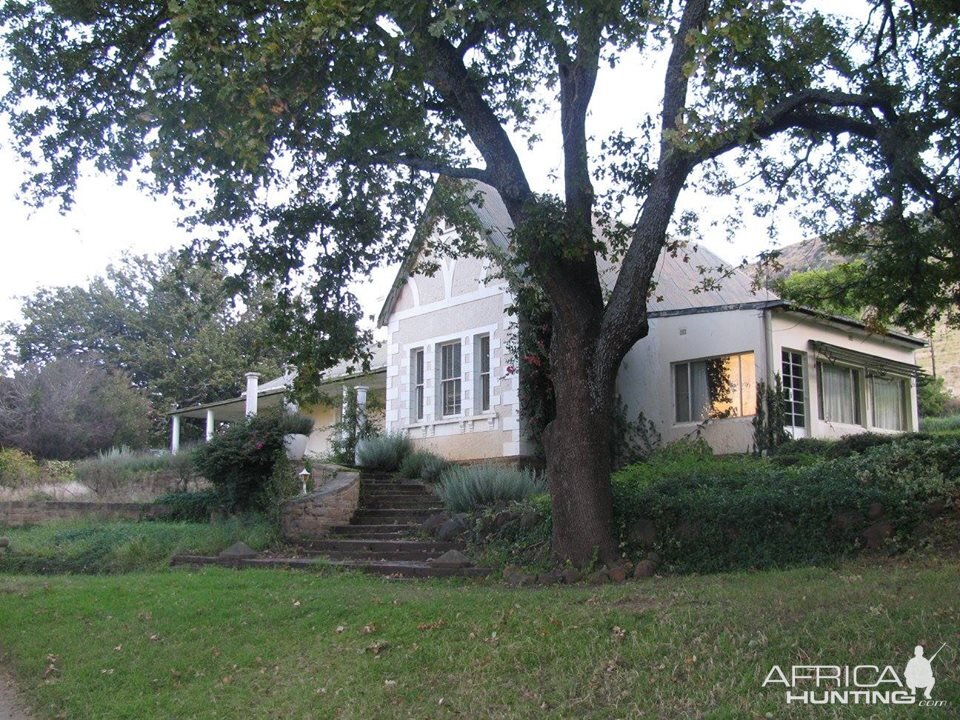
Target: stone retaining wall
[(18, 513), (310, 516)]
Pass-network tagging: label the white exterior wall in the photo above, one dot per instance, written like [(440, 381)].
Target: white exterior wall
[(796, 332), (646, 378), (454, 304), (646, 384)]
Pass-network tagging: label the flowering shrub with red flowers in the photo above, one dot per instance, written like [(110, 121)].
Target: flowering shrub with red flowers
[(247, 464)]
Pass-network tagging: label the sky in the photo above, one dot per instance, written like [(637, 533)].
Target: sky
[(44, 248)]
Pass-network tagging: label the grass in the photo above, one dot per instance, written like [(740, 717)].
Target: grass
[(225, 644), (117, 547), (941, 425)]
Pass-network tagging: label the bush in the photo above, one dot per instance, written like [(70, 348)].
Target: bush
[(247, 464), (424, 465), (383, 452), (295, 424), (712, 514), (463, 489), (118, 469), (195, 506), (933, 398), (17, 468)]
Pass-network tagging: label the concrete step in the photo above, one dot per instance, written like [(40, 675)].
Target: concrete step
[(380, 545), (405, 555), (409, 569), (431, 504), (389, 512), (376, 475), (393, 487), (395, 529)]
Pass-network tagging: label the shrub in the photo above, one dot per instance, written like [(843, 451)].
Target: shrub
[(346, 433), (463, 489), (383, 452), (711, 514), (296, 424), (933, 398), (118, 469), (247, 464), (424, 465), (195, 506), (17, 468), (858, 443)]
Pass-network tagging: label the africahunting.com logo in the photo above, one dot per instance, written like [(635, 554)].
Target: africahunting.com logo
[(859, 684)]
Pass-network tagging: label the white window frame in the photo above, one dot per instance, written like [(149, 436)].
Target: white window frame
[(482, 363), (857, 375), (449, 381), (904, 392), (417, 384), (684, 369), (791, 399)]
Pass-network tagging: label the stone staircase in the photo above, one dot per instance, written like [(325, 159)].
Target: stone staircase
[(383, 535)]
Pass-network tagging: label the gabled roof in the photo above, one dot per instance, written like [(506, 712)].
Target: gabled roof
[(495, 224), (690, 279), (693, 277)]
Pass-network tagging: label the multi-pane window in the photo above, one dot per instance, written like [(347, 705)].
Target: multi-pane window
[(791, 371), (416, 384), (715, 388), (450, 379), (839, 393), (481, 364), (889, 402)]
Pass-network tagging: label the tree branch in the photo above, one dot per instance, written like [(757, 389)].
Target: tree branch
[(447, 74), (430, 166), (625, 318)]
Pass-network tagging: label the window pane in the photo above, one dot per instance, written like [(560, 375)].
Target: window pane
[(485, 354), (840, 394), (682, 391), (888, 403)]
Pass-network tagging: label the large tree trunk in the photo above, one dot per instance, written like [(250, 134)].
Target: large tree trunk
[(577, 445)]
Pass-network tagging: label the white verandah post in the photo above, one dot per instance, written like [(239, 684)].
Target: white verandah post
[(174, 434), (210, 424)]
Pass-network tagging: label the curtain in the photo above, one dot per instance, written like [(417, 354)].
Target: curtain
[(699, 390), (839, 394), (888, 403)]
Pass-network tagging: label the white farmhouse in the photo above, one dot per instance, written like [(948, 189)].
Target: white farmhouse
[(449, 380), (452, 384)]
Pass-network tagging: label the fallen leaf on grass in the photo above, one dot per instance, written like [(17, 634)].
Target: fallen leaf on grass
[(431, 626), (378, 647)]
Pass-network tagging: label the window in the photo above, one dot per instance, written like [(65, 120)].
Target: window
[(481, 369), (715, 388), (889, 402), (416, 384), (450, 385), (791, 371), (839, 393)]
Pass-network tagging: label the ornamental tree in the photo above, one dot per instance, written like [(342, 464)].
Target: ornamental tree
[(317, 126)]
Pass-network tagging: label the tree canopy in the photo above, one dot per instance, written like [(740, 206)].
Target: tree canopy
[(172, 323), (68, 409), (316, 126)]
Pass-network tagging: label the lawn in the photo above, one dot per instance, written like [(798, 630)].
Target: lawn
[(91, 546), (262, 644)]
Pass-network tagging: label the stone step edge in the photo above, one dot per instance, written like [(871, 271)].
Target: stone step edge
[(404, 568)]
